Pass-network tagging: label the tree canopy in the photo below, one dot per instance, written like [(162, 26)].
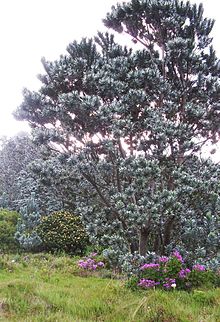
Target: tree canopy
[(131, 123)]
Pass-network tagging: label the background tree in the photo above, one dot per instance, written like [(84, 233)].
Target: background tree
[(26, 168), (15, 155), (132, 124), (26, 233), (51, 180)]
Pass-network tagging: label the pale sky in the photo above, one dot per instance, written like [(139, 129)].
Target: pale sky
[(31, 29)]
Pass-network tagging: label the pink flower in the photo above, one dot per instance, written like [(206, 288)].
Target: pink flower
[(90, 264), (100, 264), (148, 266), (145, 283), (163, 259), (170, 283), (184, 272), (199, 268), (178, 256)]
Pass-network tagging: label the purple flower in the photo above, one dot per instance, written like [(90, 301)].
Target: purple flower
[(86, 264), (148, 266), (163, 259), (178, 256), (145, 283), (90, 264), (199, 268), (80, 265), (184, 272), (100, 264), (169, 283)]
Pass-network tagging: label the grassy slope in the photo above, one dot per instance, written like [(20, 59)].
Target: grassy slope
[(49, 290)]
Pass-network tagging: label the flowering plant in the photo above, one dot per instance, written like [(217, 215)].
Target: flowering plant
[(91, 263), (170, 273), (147, 283), (199, 268)]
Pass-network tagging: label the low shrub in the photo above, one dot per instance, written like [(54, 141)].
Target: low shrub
[(91, 263), (172, 273), (8, 223), (63, 232)]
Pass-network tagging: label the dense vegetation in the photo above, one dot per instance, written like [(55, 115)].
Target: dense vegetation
[(8, 222), (115, 165), (127, 127), (46, 288)]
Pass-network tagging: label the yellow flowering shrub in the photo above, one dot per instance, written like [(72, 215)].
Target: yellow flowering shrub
[(63, 232)]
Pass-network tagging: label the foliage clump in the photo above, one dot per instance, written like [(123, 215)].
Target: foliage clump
[(173, 273), (131, 124), (16, 154), (26, 233), (63, 232), (8, 222)]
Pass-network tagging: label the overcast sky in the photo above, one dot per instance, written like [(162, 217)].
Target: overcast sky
[(30, 29)]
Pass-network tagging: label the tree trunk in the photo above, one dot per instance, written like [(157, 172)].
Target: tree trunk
[(167, 231), (158, 241), (133, 247), (143, 238)]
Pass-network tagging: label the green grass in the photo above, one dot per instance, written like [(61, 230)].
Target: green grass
[(46, 288)]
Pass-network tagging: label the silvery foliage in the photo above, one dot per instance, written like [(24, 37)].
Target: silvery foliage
[(15, 155), (22, 168), (131, 125), (26, 228), (131, 263), (3, 201), (49, 183), (49, 178)]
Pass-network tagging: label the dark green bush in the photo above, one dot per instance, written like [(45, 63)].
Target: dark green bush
[(8, 223), (63, 232), (204, 279)]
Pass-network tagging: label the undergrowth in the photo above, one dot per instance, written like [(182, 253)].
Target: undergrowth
[(43, 287)]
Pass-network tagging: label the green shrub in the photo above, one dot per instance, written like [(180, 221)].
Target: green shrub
[(63, 232), (202, 279), (171, 272), (8, 223)]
